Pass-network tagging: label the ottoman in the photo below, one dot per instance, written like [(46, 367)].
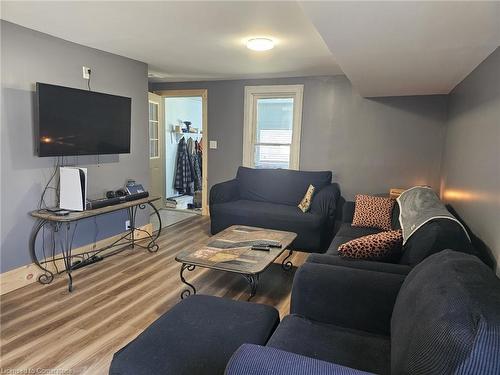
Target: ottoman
[(197, 336)]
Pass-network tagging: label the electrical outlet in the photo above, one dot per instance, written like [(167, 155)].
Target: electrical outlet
[(212, 145), (86, 72), (127, 225)]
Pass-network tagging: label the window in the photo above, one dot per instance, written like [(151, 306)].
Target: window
[(273, 117), (154, 134)]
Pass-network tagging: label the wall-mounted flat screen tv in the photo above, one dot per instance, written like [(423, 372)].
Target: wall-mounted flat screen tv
[(80, 122)]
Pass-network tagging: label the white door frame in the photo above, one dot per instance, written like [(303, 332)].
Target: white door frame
[(204, 141)]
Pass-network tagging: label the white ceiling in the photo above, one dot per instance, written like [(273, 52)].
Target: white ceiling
[(384, 48), (407, 48), (187, 40)]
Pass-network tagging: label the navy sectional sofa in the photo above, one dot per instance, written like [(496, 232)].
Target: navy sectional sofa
[(432, 237), (442, 318), (268, 198)]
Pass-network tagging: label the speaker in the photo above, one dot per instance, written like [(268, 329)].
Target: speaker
[(73, 188), (120, 193), (110, 194)]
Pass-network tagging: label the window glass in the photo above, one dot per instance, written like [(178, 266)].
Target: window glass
[(274, 129), (267, 156), (153, 131)]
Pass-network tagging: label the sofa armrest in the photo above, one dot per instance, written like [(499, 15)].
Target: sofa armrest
[(348, 211), (224, 192), (324, 202), (369, 265), (347, 297), (252, 359)]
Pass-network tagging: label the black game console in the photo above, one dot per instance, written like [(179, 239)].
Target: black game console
[(104, 202)]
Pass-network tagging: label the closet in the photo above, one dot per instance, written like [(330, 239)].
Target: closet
[(183, 153)]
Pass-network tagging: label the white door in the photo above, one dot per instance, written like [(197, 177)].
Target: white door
[(156, 152)]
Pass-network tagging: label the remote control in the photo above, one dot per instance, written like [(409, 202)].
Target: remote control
[(62, 213), (260, 248), (268, 244)]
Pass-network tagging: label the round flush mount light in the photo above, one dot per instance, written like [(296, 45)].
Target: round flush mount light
[(260, 44)]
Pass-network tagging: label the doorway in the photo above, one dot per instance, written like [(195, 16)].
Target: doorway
[(182, 154)]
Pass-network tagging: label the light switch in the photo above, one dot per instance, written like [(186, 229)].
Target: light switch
[(213, 145)]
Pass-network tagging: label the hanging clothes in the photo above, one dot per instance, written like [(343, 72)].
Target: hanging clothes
[(200, 154), (195, 163), (184, 176), (190, 148)]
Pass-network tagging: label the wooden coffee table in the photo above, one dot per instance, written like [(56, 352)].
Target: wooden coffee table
[(230, 251)]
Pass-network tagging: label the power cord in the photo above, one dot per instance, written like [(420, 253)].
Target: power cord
[(96, 232), (42, 203), (88, 81)]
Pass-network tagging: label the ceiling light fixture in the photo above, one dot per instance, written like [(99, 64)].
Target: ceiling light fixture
[(260, 44)]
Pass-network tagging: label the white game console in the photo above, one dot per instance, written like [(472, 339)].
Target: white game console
[(73, 188)]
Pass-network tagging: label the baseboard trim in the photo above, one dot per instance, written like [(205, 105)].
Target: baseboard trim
[(28, 274)]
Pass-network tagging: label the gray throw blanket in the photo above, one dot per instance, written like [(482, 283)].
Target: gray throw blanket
[(419, 205)]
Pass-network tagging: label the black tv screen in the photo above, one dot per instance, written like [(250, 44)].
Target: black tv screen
[(81, 122)]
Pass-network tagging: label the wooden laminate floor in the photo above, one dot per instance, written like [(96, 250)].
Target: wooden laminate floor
[(46, 327)]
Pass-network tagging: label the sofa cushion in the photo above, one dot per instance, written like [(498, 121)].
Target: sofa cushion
[(347, 233), (282, 186), (307, 226), (197, 336), (432, 237), (455, 300), (377, 246), (373, 212), (335, 260), (346, 347), (252, 359), (346, 230)]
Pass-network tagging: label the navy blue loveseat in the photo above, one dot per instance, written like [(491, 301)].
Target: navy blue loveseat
[(268, 198)]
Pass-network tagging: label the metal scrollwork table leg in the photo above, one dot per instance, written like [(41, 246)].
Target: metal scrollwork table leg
[(47, 276), (187, 292), (152, 246), (253, 280), (287, 265)]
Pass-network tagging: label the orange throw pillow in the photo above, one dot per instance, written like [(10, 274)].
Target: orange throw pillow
[(373, 212), (374, 246)]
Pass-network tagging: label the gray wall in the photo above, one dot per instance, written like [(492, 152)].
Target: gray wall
[(471, 162), (370, 145), (28, 56)]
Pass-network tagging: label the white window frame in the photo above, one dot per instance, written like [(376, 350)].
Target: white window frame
[(252, 94)]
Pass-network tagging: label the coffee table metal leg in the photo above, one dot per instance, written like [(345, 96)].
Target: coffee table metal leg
[(187, 292), (253, 280), (287, 265)]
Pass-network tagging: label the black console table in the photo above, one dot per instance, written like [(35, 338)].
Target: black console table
[(63, 235)]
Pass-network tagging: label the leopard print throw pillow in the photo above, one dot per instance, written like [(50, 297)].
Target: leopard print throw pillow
[(373, 212), (305, 203), (375, 246)]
